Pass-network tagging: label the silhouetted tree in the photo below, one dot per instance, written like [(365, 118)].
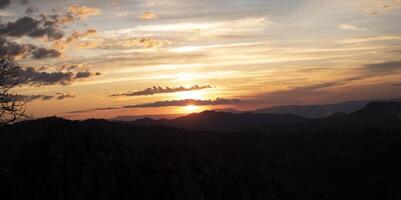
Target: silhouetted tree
[(10, 108)]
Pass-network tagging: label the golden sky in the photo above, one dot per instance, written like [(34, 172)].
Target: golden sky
[(109, 58)]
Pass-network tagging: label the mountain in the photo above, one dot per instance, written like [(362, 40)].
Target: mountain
[(213, 120), (267, 156), (320, 111), (386, 115), (136, 117), (383, 114)]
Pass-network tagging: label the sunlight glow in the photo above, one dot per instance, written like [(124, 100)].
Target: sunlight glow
[(191, 108), (198, 94)]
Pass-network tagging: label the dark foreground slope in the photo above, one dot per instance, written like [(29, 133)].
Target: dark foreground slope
[(59, 159)]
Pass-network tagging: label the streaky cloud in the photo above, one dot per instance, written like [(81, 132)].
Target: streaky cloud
[(186, 102), (57, 96), (32, 76), (390, 66), (160, 90), (179, 103)]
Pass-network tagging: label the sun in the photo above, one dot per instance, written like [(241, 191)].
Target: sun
[(191, 108)]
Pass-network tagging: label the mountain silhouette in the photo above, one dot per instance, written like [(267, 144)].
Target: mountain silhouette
[(210, 155), (374, 114), (213, 120), (320, 111)]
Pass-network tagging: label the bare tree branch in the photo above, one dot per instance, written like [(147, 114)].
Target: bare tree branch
[(10, 109)]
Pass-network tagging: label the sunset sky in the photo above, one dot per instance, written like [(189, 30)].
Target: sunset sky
[(107, 58)]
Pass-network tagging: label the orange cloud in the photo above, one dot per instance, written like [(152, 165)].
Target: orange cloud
[(124, 43), (148, 16), (74, 37), (82, 11)]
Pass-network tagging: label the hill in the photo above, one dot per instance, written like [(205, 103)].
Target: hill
[(377, 114), (320, 111), (289, 158)]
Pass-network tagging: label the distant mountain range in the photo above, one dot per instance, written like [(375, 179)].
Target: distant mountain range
[(306, 111), (136, 117), (373, 114), (321, 111)]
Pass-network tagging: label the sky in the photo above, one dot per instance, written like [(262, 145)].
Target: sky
[(107, 58)]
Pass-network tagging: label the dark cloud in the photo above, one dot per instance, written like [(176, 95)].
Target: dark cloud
[(95, 109), (28, 26), (28, 98), (58, 96), (159, 90), (186, 102), (69, 67), (13, 49), (21, 27), (50, 32), (42, 53), (31, 10), (32, 76), (384, 67), (85, 74), (4, 3), (62, 96)]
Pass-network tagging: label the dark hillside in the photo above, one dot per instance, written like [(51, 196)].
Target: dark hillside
[(96, 159)]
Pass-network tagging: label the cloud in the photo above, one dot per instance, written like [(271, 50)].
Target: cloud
[(62, 96), (56, 19), (31, 76), (28, 26), (4, 3), (382, 6), (73, 38), (46, 25), (83, 12), (349, 27), (148, 16), (13, 49), (74, 13), (4, 13), (366, 39), (50, 33), (300, 94), (76, 35), (23, 26), (384, 66), (160, 90), (31, 9), (186, 102), (223, 28), (57, 96), (124, 43), (28, 98), (42, 53), (86, 74)]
